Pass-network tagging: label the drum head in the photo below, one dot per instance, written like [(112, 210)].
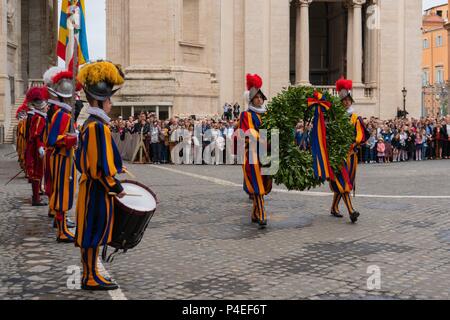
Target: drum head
[(145, 202)]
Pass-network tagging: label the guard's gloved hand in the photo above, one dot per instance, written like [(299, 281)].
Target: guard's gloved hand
[(41, 151)]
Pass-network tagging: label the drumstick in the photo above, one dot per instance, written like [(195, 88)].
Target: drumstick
[(129, 173), (113, 194)]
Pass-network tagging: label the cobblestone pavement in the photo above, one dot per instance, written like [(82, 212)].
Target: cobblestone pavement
[(201, 244)]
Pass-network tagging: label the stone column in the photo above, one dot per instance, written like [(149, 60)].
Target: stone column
[(350, 41), (302, 43), (373, 63), (4, 87), (357, 41)]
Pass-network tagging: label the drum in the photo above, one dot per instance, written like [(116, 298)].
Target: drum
[(132, 214)]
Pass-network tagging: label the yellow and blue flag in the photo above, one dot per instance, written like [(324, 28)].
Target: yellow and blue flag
[(83, 51)]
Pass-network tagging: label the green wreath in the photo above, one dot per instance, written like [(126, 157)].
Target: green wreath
[(284, 113)]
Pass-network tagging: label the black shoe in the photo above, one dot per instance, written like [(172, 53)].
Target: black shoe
[(255, 220), (102, 287), (40, 204), (65, 240), (354, 216), (262, 224), (337, 215), (51, 214)]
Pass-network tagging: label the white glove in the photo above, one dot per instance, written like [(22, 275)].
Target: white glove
[(41, 152)]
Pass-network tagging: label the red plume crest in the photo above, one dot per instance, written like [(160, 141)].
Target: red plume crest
[(254, 81), (36, 93), (62, 75), (344, 84)]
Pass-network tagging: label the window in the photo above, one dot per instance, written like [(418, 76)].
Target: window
[(439, 41), (191, 19), (439, 75), (425, 43), (425, 78), (439, 13)]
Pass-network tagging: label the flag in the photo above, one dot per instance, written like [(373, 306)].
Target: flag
[(63, 39)]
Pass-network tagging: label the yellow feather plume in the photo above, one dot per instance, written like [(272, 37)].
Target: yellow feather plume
[(94, 73)]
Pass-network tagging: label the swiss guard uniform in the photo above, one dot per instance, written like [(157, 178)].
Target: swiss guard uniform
[(98, 161), (255, 184), (345, 180), (63, 140), (27, 155), (35, 169), (21, 128), (52, 108)]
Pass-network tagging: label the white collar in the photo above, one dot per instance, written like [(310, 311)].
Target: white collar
[(60, 104), (100, 113), (32, 111), (41, 113), (257, 110), (350, 111)]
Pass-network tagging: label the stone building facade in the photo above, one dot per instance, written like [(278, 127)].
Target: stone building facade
[(189, 57), (27, 48)]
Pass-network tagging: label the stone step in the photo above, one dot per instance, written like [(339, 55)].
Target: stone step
[(9, 134)]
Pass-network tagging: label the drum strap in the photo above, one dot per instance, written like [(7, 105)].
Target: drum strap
[(111, 257)]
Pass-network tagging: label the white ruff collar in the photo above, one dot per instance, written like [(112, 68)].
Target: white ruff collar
[(61, 105), (257, 110), (100, 113), (41, 113), (350, 111)]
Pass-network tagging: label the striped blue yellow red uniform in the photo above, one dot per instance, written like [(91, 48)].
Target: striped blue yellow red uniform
[(48, 183), (346, 178), (98, 161), (255, 184), (21, 143), (36, 167), (63, 172), (63, 190)]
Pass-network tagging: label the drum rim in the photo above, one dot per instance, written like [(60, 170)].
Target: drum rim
[(120, 204)]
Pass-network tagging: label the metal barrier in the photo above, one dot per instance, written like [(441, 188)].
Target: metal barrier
[(2, 134)]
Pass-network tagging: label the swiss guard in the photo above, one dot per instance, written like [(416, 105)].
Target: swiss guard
[(256, 185), (62, 140), (345, 180), (27, 152), (36, 98), (52, 108), (21, 116), (99, 161)]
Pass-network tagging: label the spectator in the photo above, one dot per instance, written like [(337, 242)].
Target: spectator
[(381, 149)]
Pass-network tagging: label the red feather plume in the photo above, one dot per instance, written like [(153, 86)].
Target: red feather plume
[(62, 75), (344, 84), (67, 75), (254, 81), (35, 93), (45, 93), (22, 108)]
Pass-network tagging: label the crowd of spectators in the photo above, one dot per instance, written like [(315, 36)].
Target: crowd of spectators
[(159, 137), (397, 140)]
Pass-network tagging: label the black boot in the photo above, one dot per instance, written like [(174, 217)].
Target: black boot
[(337, 215), (102, 287), (262, 224), (39, 204), (354, 216)]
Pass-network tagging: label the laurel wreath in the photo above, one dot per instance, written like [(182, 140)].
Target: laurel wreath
[(284, 113)]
